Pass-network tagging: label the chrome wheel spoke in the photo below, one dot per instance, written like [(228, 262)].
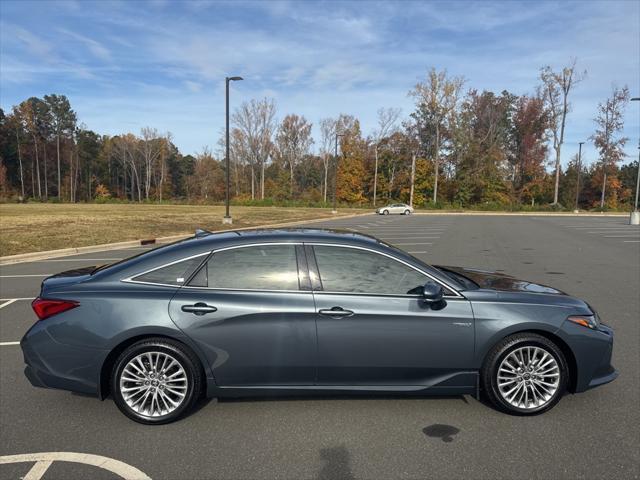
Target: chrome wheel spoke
[(153, 384), (528, 377)]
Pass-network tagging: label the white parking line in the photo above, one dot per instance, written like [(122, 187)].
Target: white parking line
[(422, 243), (6, 344), (15, 299), (8, 302), (631, 241), (413, 253), (79, 260), (21, 276), (620, 236)]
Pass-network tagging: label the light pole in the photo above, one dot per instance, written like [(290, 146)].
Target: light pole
[(578, 178), (227, 218), (335, 175), (634, 219)]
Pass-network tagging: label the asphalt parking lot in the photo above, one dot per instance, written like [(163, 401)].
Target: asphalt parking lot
[(590, 435)]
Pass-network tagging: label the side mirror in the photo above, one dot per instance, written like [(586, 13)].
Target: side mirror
[(432, 292)]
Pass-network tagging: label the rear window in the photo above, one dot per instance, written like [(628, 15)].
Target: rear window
[(264, 267), (175, 274)]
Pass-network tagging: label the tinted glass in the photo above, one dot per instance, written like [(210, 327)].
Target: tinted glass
[(266, 267), (359, 271), (175, 274)]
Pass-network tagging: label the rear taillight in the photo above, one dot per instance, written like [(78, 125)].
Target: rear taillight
[(45, 307)]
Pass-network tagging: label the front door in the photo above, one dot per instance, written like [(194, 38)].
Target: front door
[(249, 312), (372, 331)]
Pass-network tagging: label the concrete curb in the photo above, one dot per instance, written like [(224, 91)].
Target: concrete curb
[(65, 252)]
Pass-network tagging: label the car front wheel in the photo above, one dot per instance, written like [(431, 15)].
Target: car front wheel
[(525, 374), (407, 212), (385, 212), (156, 381)]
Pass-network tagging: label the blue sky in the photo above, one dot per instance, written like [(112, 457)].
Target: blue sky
[(162, 64)]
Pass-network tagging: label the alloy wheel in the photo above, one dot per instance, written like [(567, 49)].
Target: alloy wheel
[(528, 377), (153, 384)]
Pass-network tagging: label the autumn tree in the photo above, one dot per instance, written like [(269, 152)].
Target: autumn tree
[(606, 139), (293, 140), (436, 100), (327, 139), (556, 87)]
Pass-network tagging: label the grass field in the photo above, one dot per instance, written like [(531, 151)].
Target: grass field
[(36, 227)]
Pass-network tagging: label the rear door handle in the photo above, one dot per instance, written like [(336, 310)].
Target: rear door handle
[(335, 312), (199, 308)]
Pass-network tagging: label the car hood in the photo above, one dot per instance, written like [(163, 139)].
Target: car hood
[(501, 282)]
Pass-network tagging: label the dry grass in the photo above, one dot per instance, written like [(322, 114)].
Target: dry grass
[(37, 227)]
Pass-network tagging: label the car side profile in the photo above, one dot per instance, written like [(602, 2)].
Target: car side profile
[(395, 208), (305, 311)]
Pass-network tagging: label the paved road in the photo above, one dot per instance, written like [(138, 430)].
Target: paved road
[(591, 435)]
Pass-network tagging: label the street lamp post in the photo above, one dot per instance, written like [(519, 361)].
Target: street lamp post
[(579, 170), (227, 217), (335, 176), (634, 219)]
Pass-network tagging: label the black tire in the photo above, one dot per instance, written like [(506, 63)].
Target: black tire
[(187, 360), (407, 212), (489, 372), (385, 212)]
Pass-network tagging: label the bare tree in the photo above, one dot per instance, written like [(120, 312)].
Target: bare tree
[(256, 120), (293, 140), (387, 125), (610, 122), (149, 147), (327, 139), (436, 98), (556, 87)]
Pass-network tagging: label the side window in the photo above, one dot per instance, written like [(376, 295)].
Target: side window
[(175, 274), (264, 267), (359, 271)]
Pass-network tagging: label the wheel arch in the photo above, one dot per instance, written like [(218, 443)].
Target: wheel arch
[(569, 356), (110, 359)]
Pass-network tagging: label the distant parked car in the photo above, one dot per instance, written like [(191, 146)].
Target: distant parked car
[(400, 208)]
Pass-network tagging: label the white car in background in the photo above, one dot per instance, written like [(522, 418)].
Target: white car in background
[(399, 208)]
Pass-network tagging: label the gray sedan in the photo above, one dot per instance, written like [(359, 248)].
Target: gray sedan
[(304, 311)]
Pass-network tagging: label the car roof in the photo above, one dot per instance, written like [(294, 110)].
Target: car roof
[(204, 242)]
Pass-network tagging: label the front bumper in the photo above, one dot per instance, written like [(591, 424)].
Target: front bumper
[(593, 350)]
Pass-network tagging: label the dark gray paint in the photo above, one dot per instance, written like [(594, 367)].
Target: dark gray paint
[(267, 340)]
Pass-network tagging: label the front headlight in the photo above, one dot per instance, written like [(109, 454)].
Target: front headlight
[(589, 321)]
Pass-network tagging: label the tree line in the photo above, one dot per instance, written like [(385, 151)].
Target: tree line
[(457, 148)]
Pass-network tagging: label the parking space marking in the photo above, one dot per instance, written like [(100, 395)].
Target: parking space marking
[(21, 276), (77, 260), (45, 459), (414, 253), (631, 241), (6, 344), (413, 243), (8, 302), (15, 299)]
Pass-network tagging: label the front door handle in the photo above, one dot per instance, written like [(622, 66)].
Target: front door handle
[(337, 312), (199, 308)]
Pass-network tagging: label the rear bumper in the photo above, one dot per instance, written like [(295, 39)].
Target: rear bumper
[(50, 364)]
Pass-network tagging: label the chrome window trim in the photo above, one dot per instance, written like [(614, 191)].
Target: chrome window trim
[(449, 287), (132, 277), (255, 290)]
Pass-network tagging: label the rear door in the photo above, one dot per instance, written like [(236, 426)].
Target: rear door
[(372, 330), (251, 311)]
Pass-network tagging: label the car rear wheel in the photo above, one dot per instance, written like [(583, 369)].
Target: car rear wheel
[(385, 212), (525, 374), (156, 381)]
